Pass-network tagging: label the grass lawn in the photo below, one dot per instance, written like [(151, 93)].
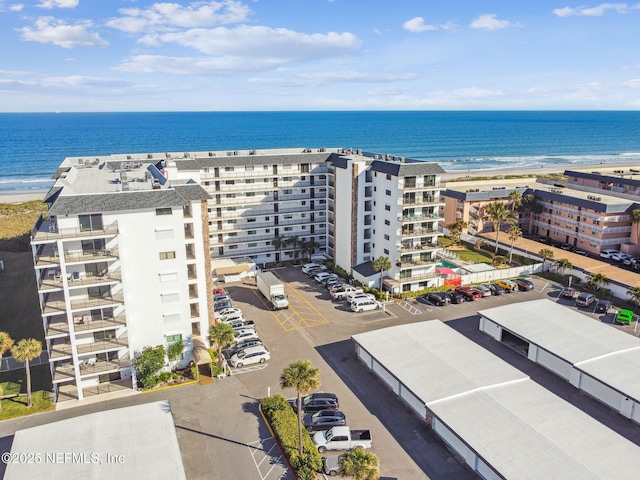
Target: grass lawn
[(466, 254), (17, 406)]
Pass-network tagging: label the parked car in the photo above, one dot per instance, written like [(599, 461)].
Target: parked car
[(352, 292), (342, 438), (227, 311), (218, 306), (332, 276), (585, 300), (331, 465), (608, 252), (568, 292), (621, 257), (469, 293), (524, 284), (310, 266), (333, 281), (486, 291), (323, 420), (495, 288), (362, 296), (221, 298), (219, 291), (365, 305), (316, 401), (455, 296), (311, 272), (318, 277), (629, 260), (247, 356), (232, 318), (438, 298), (624, 317), (603, 306), (239, 325), (236, 347), (508, 285), (337, 286), (244, 335)]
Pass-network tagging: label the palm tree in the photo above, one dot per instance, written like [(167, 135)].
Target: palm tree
[(514, 234), (361, 464), (308, 247), (563, 265), (25, 351), (597, 281), (6, 343), (381, 264), (635, 295), (455, 231), (294, 241), (278, 243), (302, 377), (546, 254), (498, 214), (515, 200), (479, 244), (221, 334), (635, 222)]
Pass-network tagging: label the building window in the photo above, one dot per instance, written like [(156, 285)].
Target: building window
[(252, 245), (170, 297), (230, 195), (228, 169), (288, 229), (387, 192), (387, 208), (287, 217), (164, 211), (233, 247), (167, 255), (229, 182), (174, 338), (387, 222), (250, 194), (388, 177), (233, 234), (250, 180), (231, 209), (251, 232), (248, 168), (386, 237), (232, 220), (386, 252), (287, 192)]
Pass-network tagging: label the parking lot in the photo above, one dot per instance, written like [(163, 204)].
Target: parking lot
[(222, 435)]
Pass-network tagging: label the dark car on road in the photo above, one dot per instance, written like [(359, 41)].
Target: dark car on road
[(324, 420), (315, 402), (603, 306), (524, 284), (495, 289), (455, 297), (585, 300), (438, 298)]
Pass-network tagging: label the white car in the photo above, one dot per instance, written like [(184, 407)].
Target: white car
[(227, 312), (486, 291), (357, 298), (244, 335), (608, 253), (352, 293), (247, 356), (231, 318), (310, 266), (621, 257), (321, 276), (365, 305)]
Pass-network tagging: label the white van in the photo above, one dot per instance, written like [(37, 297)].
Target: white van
[(247, 356), (608, 253), (365, 305)]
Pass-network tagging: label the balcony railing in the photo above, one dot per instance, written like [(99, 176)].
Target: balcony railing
[(84, 323), (418, 248), (62, 350), (419, 232), (46, 230), (66, 372), (53, 280), (54, 306)]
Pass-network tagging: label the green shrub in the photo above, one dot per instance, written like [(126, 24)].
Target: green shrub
[(193, 371), (284, 423), (216, 370), (164, 377)]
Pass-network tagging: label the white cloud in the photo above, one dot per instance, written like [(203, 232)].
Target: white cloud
[(163, 16), (257, 43), (596, 11), (417, 25), (16, 7), (228, 65), (51, 30), (489, 21), (635, 83), (324, 78), (50, 4)]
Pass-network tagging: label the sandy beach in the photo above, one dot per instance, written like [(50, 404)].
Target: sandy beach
[(21, 197)]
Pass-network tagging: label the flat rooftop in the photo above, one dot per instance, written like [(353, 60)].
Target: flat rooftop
[(518, 427)]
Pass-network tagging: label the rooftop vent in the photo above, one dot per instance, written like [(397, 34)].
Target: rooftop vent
[(594, 198)]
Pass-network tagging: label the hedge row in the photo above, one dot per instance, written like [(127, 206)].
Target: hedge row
[(284, 423)]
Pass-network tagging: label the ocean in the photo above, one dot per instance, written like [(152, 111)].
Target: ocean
[(32, 145)]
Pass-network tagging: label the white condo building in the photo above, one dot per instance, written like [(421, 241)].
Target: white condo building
[(125, 256)]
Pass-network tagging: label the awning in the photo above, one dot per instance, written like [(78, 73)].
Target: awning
[(232, 269), (445, 271), (200, 353)]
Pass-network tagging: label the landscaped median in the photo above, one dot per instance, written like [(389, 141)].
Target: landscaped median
[(283, 423)]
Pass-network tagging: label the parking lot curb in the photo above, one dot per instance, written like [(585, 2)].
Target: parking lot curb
[(264, 419)]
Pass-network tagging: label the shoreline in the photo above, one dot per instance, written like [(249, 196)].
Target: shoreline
[(489, 175)]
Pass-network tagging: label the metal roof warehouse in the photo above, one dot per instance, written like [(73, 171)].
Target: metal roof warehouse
[(594, 357), (501, 422)]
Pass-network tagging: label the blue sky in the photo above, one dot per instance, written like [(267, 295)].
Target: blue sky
[(138, 55)]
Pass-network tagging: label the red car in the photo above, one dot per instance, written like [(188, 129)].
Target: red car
[(470, 293)]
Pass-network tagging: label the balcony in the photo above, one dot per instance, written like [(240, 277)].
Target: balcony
[(421, 201), (84, 323), (46, 230), (66, 372), (417, 217), (417, 263), (426, 247), (62, 350), (53, 280), (417, 232), (52, 307)]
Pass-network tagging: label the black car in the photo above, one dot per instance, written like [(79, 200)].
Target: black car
[(495, 289), (524, 284), (316, 402), (455, 297), (603, 306), (324, 420), (585, 300), (438, 298)]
